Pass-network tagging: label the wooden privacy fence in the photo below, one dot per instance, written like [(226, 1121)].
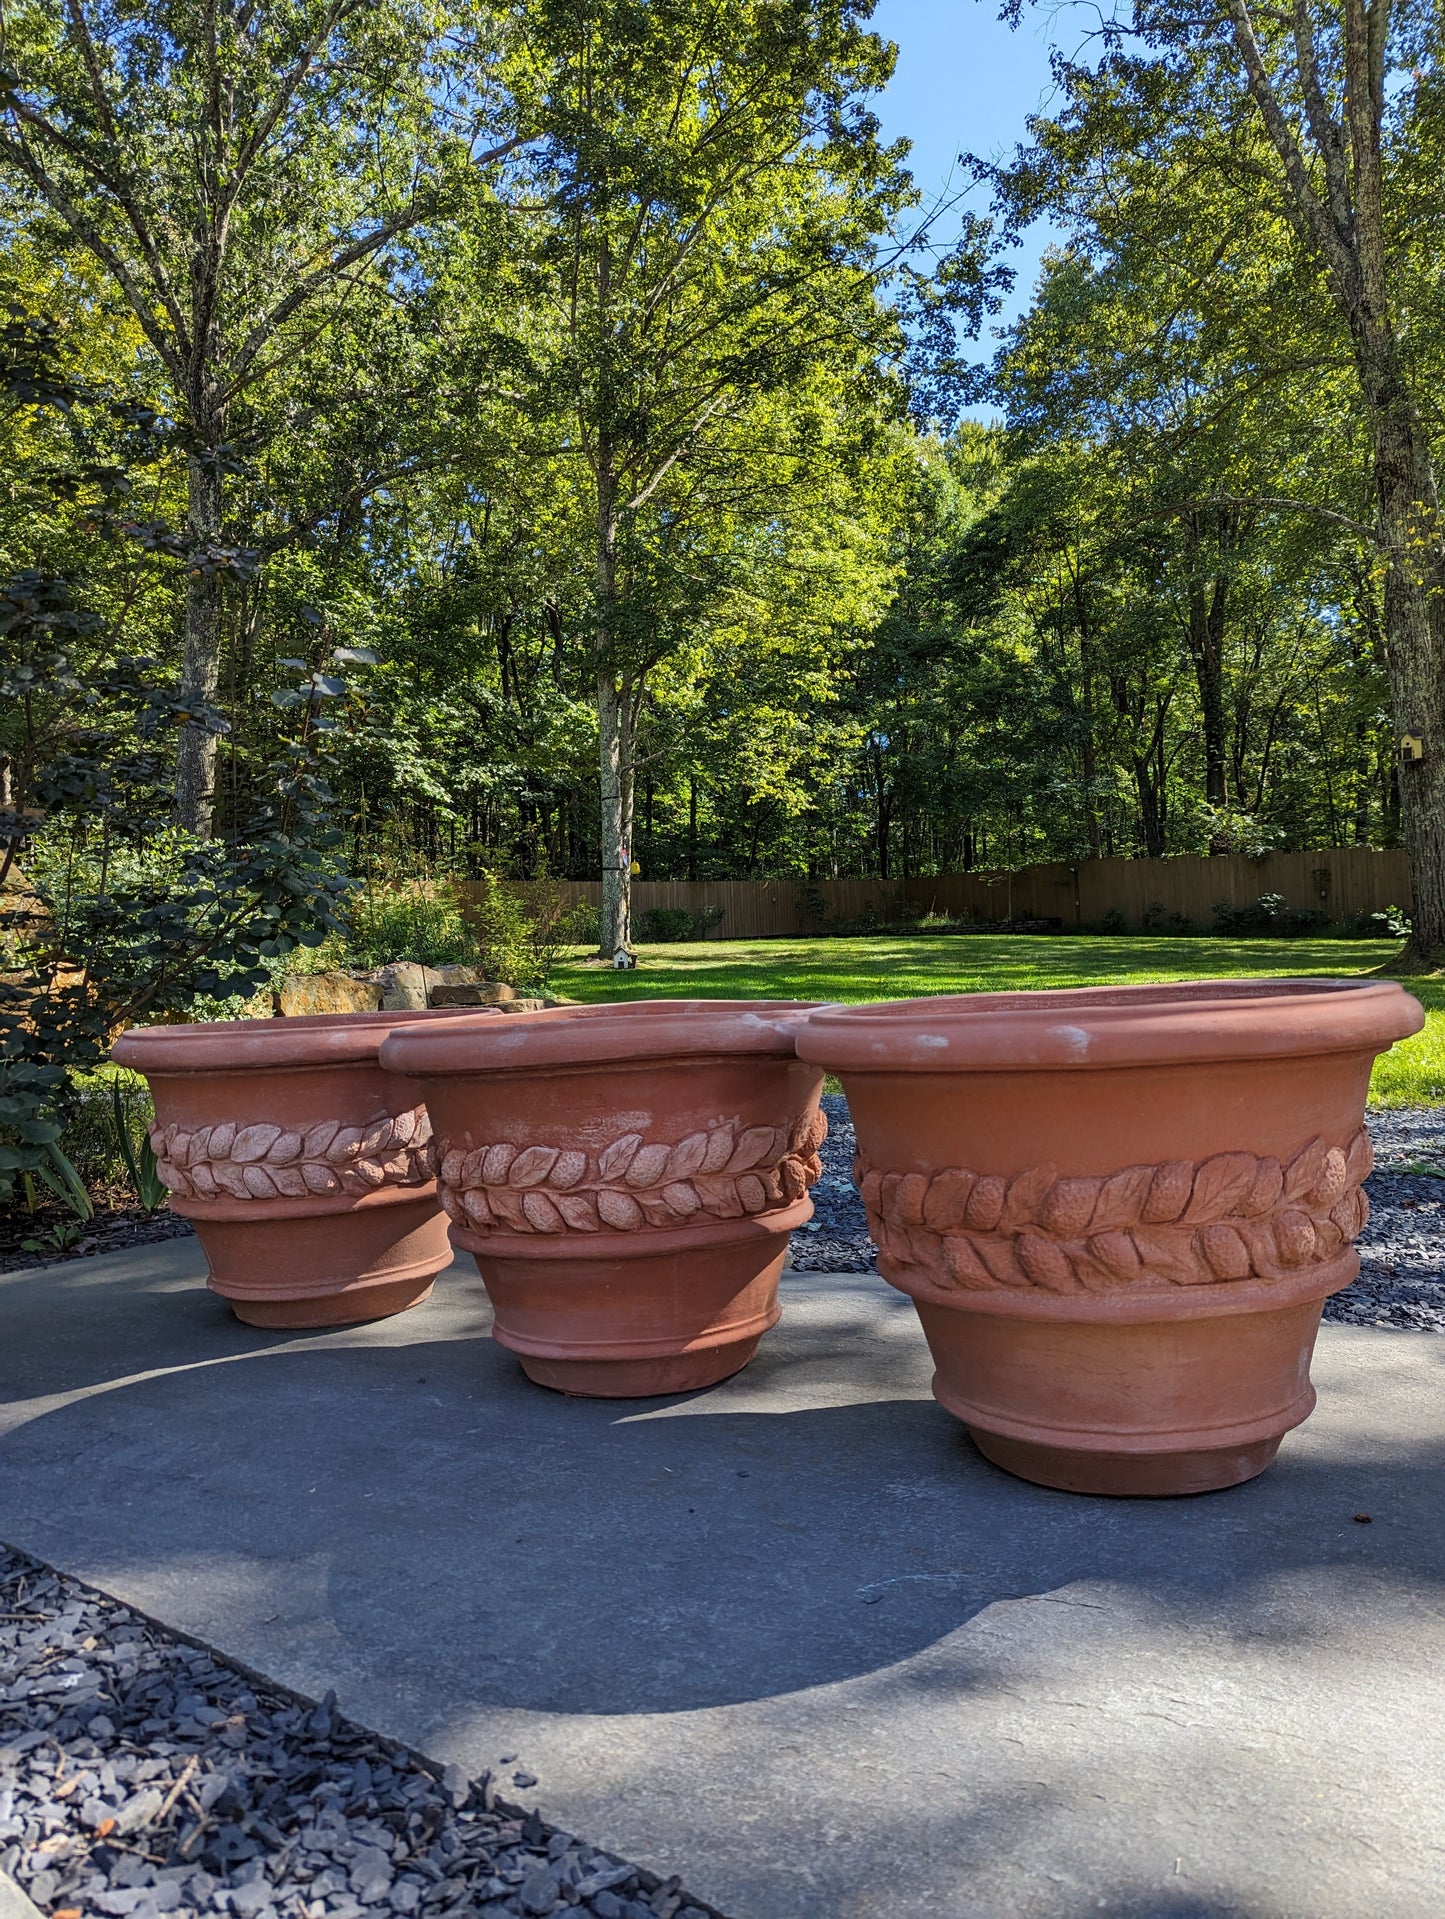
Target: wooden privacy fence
[(1341, 882)]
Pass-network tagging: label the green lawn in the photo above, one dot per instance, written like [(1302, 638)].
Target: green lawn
[(862, 969)]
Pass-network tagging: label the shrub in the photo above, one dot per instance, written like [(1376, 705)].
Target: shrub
[(1158, 918), (522, 936), (814, 906), (419, 920), (1267, 917), (503, 929), (1113, 922), (557, 921), (671, 925), (1389, 923)]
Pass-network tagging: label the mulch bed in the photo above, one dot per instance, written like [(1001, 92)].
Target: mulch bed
[(143, 1776), (114, 1229)]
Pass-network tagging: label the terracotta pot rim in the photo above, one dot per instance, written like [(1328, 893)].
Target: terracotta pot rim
[(612, 1033), (1091, 1027), (648, 1242), (1238, 1298), (272, 1045)]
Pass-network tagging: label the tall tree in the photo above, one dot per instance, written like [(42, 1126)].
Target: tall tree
[(235, 166), (1322, 117), (716, 193)]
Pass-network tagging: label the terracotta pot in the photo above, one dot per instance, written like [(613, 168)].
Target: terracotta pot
[(306, 1169), (627, 1178), (1118, 1211)]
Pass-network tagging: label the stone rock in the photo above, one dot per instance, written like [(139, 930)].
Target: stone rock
[(525, 1005), (458, 975), (481, 994), (326, 993), (404, 986)]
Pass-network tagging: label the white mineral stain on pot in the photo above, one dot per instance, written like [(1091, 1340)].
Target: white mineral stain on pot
[(933, 1040), (1076, 1040)]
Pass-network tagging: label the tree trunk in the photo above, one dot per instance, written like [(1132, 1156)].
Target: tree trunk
[(201, 666), (613, 757), (1206, 649), (614, 742), (1347, 228), (1409, 510)]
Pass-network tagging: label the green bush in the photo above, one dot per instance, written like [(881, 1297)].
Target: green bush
[(1390, 923), (1268, 917), (671, 925), (418, 920), (503, 931), (1158, 918)]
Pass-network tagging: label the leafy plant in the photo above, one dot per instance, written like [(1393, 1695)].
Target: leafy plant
[(1269, 916), (128, 916), (504, 934), (139, 1156), (57, 1238), (57, 1171), (1158, 918), (672, 924), (418, 920), (1390, 922)]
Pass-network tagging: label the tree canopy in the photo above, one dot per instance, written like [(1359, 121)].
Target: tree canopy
[(569, 365)]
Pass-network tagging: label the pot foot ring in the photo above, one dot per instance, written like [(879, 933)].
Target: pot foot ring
[(1128, 1475), (356, 1308), (650, 1378)]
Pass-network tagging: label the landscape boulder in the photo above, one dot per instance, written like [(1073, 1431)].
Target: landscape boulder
[(494, 993), (404, 986), (327, 993)]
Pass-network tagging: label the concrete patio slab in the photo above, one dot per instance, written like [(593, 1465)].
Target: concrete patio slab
[(791, 1638)]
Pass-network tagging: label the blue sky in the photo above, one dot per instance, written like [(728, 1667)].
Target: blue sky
[(964, 81)]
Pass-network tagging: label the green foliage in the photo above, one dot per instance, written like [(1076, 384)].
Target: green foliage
[(57, 1170), (1157, 918), (1393, 923), (1268, 917), (504, 931), (125, 916), (419, 920), (669, 924), (137, 1153)]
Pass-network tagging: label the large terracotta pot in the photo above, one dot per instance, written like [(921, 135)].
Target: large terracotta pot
[(307, 1170), (627, 1178), (1118, 1211)]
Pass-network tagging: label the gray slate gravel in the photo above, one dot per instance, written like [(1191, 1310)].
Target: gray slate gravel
[(1402, 1249), (141, 1776)]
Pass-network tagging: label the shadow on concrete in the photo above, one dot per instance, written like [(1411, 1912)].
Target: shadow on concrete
[(414, 1502)]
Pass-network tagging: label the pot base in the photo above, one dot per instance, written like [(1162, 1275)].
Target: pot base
[(357, 1307), (619, 1318), (286, 1270), (1127, 1475), (1147, 1408), (640, 1378)]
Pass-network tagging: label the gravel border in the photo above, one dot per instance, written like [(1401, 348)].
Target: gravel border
[(1402, 1249), (142, 1775)]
